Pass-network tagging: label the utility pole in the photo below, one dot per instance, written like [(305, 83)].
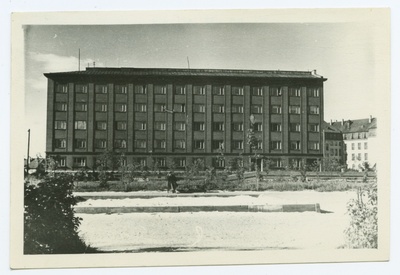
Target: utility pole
[(27, 158)]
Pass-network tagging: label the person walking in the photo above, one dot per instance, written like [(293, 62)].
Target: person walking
[(171, 179)]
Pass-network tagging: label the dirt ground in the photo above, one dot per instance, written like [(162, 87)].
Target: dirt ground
[(141, 232)]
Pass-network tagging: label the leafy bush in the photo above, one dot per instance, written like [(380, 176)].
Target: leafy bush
[(363, 229), (50, 226)]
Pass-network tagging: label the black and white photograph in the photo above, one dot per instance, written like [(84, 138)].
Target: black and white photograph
[(179, 138)]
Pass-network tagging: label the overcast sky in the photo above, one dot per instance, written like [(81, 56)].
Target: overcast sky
[(345, 53)]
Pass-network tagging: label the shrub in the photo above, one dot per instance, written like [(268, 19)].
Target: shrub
[(363, 229), (50, 226)]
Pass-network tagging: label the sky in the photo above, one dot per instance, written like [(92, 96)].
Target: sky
[(345, 53)]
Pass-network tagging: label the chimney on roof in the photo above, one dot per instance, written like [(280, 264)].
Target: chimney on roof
[(314, 72), (342, 121), (370, 119), (331, 122)]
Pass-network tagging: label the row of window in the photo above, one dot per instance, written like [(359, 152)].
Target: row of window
[(179, 162), (358, 135), (181, 144), (181, 108), (197, 90), (359, 156), (359, 145), (181, 126)]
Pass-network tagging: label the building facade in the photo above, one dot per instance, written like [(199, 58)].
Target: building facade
[(334, 150), (360, 141), (151, 115)]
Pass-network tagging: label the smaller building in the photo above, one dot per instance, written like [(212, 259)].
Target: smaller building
[(334, 148), (360, 141)]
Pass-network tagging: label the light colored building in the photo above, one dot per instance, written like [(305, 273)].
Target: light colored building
[(360, 139)]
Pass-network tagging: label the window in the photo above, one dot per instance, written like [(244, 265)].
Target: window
[(365, 156), (140, 125), (294, 91), (80, 125), (81, 88), (160, 125), (314, 110), (81, 107), (141, 89), (294, 127), (159, 107), (294, 109), (180, 126), (218, 108), (365, 145), (79, 162), (276, 145), (139, 107), (120, 108), (180, 144), (353, 146), (60, 125), (62, 88), (295, 145), (199, 126), (121, 89), (61, 106), (277, 163), (257, 91), (313, 92), (101, 89), (237, 144), (62, 161), (259, 145), (101, 143), (257, 127), (217, 144), (313, 127), (159, 144), (180, 108), (218, 90), (160, 89), (313, 145), (141, 161), (256, 109), (101, 125), (276, 109), (276, 127), (275, 91), (238, 126), (237, 109), (123, 161), (60, 143), (295, 163), (199, 108), (199, 90), (180, 90), (199, 144), (218, 162), (161, 162), (140, 144), (353, 156), (80, 143), (218, 126), (120, 143), (101, 107), (181, 162), (237, 90), (359, 156), (359, 146), (121, 125)]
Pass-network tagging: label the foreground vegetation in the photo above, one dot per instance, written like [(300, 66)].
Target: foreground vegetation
[(50, 225)]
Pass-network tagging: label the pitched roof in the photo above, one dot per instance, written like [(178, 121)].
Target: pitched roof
[(106, 71), (357, 125), (329, 128)]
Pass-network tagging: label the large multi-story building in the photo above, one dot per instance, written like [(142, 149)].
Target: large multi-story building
[(155, 114), (359, 136)]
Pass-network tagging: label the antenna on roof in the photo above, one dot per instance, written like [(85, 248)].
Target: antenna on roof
[(79, 59), (187, 58)]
